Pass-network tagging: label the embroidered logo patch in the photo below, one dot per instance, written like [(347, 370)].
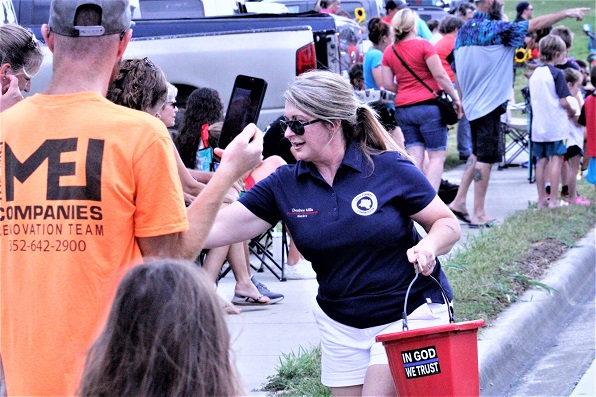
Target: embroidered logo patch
[(365, 204)]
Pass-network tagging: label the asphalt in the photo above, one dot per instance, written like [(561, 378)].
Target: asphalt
[(261, 336)]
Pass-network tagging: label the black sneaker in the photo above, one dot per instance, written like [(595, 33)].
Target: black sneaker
[(263, 290)]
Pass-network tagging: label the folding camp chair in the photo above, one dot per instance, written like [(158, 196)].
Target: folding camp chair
[(531, 161), (263, 247), (514, 138)]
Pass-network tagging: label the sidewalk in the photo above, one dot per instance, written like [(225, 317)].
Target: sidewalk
[(261, 335)]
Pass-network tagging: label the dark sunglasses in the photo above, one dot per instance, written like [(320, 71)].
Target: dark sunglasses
[(297, 126)]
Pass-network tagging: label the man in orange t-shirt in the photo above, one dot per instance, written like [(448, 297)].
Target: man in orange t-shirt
[(87, 189)]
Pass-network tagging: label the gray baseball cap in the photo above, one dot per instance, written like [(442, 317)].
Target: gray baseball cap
[(115, 17)]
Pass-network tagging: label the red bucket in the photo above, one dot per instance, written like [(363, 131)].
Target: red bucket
[(435, 361)]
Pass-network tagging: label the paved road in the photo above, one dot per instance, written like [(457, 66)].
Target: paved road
[(556, 367)]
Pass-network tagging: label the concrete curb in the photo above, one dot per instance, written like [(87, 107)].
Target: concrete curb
[(522, 327)]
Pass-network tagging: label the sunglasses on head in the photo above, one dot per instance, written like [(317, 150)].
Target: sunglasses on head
[(296, 126), (148, 62)]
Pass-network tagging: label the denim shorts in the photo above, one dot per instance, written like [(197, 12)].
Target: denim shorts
[(422, 125), (548, 149)]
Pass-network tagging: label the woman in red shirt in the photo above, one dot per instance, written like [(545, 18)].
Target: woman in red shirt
[(416, 111)]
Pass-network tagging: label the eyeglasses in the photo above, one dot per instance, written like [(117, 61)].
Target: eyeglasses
[(297, 126)]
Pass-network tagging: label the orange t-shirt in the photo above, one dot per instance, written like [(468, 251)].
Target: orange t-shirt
[(81, 179)]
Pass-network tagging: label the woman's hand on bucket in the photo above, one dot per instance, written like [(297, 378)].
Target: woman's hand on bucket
[(423, 257)]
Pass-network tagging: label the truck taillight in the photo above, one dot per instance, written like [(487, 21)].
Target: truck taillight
[(306, 59)]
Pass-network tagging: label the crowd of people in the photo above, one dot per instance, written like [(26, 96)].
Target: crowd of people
[(104, 214)]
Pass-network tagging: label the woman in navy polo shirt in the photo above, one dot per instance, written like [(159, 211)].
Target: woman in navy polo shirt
[(350, 204)]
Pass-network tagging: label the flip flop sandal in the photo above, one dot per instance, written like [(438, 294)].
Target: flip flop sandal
[(462, 216), (485, 225), (248, 301)]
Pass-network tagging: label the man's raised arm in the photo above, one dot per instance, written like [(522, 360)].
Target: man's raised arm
[(545, 21), (241, 156)]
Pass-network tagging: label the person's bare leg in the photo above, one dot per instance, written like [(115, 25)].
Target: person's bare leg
[(565, 170), (417, 153), (378, 382), (212, 265), (555, 163), (244, 285), (348, 391), (573, 168), (247, 257), (267, 166), (434, 167), (459, 202), (214, 261), (540, 180), (398, 137), (481, 178)]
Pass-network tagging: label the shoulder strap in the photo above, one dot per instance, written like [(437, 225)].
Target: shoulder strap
[(411, 71)]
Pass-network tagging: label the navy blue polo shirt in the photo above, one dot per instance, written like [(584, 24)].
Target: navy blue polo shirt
[(355, 232)]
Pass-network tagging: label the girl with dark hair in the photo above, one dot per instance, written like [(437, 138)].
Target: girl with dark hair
[(165, 336), (380, 33), (203, 108), (350, 203)]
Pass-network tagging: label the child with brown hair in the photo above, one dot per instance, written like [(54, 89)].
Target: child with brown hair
[(165, 336), (551, 110), (567, 35)]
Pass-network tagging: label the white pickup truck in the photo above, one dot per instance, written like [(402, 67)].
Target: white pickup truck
[(198, 51)]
